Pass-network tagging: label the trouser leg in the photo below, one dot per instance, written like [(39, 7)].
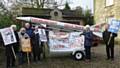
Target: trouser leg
[(20, 58), (112, 52), (30, 57), (13, 60), (34, 55), (39, 55), (88, 52), (8, 61), (108, 52)]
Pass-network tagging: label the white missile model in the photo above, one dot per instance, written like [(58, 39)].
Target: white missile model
[(51, 23), (61, 25)]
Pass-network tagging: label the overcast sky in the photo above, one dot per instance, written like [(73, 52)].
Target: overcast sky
[(85, 4)]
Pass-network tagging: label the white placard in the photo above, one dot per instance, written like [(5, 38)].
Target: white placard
[(8, 36), (42, 34)]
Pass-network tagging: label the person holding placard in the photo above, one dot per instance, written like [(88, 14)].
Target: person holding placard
[(11, 49), (113, 28), (108, 37)]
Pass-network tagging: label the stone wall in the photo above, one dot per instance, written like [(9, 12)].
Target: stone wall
[(102, 12), (99, 11)]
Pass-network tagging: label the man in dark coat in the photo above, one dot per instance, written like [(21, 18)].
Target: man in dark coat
[(88, 42), (17, 44), (36, 45), (29, 29), (108, 38), (10, 60)]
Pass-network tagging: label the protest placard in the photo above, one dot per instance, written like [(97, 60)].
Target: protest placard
[(114, 26), (8, 36)]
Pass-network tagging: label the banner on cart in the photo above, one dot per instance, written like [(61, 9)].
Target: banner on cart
[(65, 41), (8, 36)]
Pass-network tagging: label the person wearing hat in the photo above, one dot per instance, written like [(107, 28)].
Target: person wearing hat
[(88, 42)]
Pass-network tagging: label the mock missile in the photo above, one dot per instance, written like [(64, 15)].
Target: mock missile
[(59, 25), (51, 23)]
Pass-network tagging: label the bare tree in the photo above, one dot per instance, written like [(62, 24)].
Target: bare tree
[(3, 8)]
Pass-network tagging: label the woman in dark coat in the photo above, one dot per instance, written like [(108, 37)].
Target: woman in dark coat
[(88, 42)]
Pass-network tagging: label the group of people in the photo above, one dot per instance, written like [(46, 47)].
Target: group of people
[(32, 34), (15, 49)]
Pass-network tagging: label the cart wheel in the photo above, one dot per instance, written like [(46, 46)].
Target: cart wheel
[(78, 55)]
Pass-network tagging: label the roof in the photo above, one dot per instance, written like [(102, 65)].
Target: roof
[(67, 15), (46, 12)]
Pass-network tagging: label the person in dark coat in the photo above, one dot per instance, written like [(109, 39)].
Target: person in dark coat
[(88, 42), (29, 30), (36, 45), (17, 44), (109, 43)]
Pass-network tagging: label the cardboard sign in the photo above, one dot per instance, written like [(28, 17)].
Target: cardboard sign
[(114, 26), (8, 36), (26, 45)]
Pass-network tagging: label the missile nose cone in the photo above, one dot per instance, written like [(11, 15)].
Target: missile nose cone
[(24, 18)]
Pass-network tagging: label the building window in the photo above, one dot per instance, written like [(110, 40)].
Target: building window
[(109, 2)]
